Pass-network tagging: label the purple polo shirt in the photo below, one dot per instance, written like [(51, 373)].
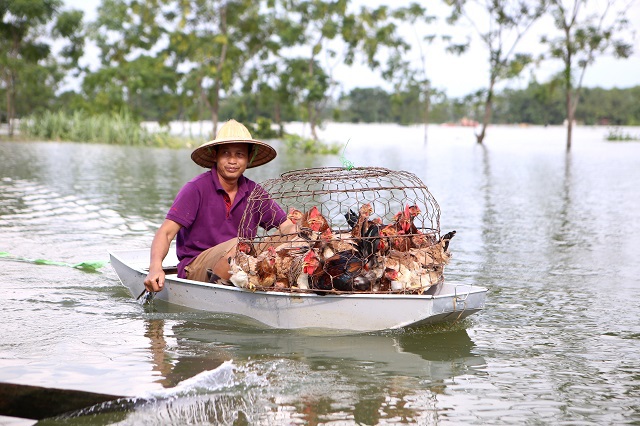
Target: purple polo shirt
[(200, 208)]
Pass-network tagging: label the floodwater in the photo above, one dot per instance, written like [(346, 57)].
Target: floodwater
[(554, 236)]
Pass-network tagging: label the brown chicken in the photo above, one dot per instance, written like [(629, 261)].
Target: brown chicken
[(289, 262), (329, 243), (362, 224), (266, 267), (314, 220)]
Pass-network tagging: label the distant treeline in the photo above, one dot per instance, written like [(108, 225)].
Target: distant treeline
[(273, 61), (537, 104)]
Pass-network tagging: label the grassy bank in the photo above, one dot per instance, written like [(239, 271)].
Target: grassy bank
[(116, 129)]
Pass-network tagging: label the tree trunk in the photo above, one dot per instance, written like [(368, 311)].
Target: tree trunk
[(312, 121), (570, 115), (487, 112), (310, 109), (278, 118), (9, 107), (427, 107)]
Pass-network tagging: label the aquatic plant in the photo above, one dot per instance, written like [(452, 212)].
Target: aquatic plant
[(616, 134), (309, 146), (115, 129)]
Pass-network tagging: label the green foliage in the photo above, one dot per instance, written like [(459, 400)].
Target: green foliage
[(583, 36), (309, 146), (117, 129), (616, 134), (263, 129), (30, 72)]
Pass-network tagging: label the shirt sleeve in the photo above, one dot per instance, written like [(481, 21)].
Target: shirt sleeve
[(271, 214), (185, 206)]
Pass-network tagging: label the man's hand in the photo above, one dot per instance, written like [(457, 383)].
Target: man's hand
[(154, 280)]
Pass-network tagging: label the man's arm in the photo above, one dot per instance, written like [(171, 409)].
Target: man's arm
[(159, 249)]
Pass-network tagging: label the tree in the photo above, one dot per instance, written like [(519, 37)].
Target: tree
[(135, 72), (583, 36), (28, 30), (408, 78), (506, 23), (219, 40), (333, 35), (368, 105)]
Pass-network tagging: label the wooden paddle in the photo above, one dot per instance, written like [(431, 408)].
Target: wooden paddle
[(37, 403)]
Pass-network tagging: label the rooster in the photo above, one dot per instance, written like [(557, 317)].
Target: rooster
[(338, 272), (359, 228), (365, 231), (317, 277), (314, 220), (343, 268)]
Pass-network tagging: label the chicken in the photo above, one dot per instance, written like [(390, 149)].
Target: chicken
[(390, 275), (266, 267), (314, 220), (413, 212), (296, 217), (421, 240), (430, 256), (394, 238), (343, 267), (409, 270), (246, 247), (330, 243), (243, 271), (365, 231), (434, 254), (402, 221), (446, 238), (318, 278), (289, 264), (360, 227), (365, 281), (296, 275)]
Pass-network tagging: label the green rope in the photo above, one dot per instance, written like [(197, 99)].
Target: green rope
[(346, 163), (92, 266)]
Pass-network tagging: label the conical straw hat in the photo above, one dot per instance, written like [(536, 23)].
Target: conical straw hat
[(233, 132)]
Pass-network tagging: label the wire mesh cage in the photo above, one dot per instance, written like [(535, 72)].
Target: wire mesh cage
[(367, 229)]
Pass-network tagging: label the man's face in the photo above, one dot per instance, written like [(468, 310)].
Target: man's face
[(231, 160)]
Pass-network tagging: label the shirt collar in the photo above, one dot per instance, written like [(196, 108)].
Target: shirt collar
[(242, 182)]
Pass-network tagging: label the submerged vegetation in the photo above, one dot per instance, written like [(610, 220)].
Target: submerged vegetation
[(309, 145), (616, 134), (120, 129)]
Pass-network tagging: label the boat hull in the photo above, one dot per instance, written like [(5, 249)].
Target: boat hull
[(353, 312)]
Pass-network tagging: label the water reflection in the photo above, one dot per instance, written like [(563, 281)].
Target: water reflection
[(288, 377)]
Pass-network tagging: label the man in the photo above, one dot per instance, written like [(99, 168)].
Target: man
[(207, 211)]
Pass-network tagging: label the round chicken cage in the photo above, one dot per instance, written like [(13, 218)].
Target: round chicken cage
[(380, 227)]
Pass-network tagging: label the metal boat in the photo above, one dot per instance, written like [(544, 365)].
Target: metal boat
[(360, 312)]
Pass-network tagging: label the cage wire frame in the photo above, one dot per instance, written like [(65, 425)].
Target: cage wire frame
[(335, 191)]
